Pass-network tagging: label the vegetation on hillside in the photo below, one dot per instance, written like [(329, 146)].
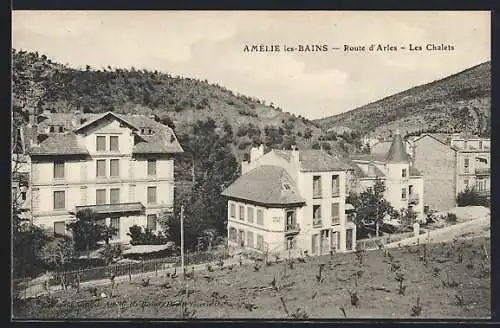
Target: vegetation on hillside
[(458, 103)]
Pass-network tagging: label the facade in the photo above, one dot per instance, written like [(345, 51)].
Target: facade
[(290, 201), (403, 181), (121, 166), (451, 163)]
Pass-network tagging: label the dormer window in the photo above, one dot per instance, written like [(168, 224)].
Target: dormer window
[(286, 186), (52, 129), (61, 129)]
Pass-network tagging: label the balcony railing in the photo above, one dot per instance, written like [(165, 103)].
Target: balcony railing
[(413, 199), (293, 228), (317, 223), (483, 192), (482, 171)]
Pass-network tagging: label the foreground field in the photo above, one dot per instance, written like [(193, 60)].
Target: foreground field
[(450, 280)]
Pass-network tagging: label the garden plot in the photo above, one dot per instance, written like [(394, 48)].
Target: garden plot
[(449, 280)]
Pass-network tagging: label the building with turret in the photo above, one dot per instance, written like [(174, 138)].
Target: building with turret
[(403, 181), (290, 201)]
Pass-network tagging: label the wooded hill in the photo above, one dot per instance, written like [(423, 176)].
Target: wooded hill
[(39, 83), (457, 103)]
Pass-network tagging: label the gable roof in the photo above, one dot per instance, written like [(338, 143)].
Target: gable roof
[(397, 152), (316, 160), (265, 185), (107, 114), (439, 137)]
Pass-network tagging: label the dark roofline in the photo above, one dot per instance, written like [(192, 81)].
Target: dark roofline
[(133, 127), (266, 205)]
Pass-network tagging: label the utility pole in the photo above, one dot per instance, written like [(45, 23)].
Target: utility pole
[(182, 240)]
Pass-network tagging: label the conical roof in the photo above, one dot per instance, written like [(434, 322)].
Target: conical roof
[(397, 153)]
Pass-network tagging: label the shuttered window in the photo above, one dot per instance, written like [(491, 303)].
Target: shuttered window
[(151, 167), (151, 195), (59, 200), (101, 143), (113, 143), (101, 168), (260, 217), (114, 196), (335, 213), (100, 196), (59, 170), (114, 167)]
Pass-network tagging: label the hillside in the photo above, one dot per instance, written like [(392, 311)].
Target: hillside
[(39, 83), (457, 103)]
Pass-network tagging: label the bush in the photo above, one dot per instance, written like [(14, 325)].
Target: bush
[(451, 218), (146, 237), (470, 197)]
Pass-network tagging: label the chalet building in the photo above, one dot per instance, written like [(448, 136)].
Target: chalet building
[(121, 166), (403, 181), (451, 163), (290, 201)]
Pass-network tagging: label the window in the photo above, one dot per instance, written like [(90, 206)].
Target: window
[(250, 214), (242, 212), (348, 239), (115, 224), (100, 196), (260, 242), (14, 193), (232, 210), (101, 168), (151, 225), (114, 167), (316, 186), (290, 243), (480, 145), (316, 211), (113, 143), (241, 238), (466, 165), (52, 129), (290, 220), (61, 129), (23, 195), (114, 196), (465, 144), (59, 170), (403, 193), (101, 143), (335, 240), (151, 195), (59, 200), (250, 239), (403, 173), (335, 185), (286, 186), (335, 214), (151, 167), (59, 228), (410, 190), (260, 217), (233, 234)]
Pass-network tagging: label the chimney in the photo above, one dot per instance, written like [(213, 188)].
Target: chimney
[(256, 152)]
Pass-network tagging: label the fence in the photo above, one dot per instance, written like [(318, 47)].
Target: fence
[(120, 269)]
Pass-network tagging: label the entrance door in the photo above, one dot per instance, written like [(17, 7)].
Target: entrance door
[(325, 241), (242, 238), (348, 239)]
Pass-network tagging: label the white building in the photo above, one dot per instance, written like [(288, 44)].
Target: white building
[(121, 166), (403, 181), (290, 201)]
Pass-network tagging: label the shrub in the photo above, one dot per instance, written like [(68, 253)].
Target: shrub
[(146, 237), (470, 197), (451, 218)]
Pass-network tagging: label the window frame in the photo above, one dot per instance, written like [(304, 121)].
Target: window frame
[(103, 169), (111, 190), (250, 214), (97, 144), (260, 216), (117, 161), (317, 192), (335, 219), (149, 171), (59, 192), (404, 194), (149, 201), (58, 165), (404, 173), (117, 139), (241, 212), (100, 192), (232, 210), (335, 185)]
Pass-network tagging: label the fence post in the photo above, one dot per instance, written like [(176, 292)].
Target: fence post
[(129, 271), (78, 279), (156, 269), (26, 287)]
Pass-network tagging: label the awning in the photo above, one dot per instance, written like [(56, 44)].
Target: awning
[(349, 207), (114, 208)]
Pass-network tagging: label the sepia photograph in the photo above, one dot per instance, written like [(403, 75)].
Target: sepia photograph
[(289, 165)]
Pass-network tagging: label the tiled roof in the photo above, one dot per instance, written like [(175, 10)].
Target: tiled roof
[(59, 144), (161, 140), (107, 114), (315, 160), (369, 157), (397, 152), (265, 184), (373, 171)]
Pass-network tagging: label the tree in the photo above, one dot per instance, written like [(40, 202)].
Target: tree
[(371, 207), (58, 252), (88, 231)]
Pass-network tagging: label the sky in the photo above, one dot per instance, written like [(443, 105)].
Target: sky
[(210, 45)]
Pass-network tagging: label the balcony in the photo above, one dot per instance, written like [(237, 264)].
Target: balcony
[(413, 199), (317, 223), (482, 171), (483, 192), (292, 229)]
